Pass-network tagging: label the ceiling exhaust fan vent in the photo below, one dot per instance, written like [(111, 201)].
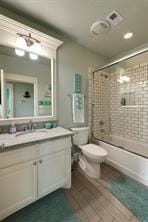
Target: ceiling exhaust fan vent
[(114, 18), (99, 27)]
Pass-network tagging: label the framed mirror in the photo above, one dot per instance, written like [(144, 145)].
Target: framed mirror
[(28, 77)]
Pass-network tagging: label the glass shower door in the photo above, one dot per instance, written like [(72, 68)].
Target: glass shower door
[(120, 110)]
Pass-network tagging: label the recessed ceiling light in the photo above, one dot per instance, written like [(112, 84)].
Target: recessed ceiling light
[(128, 35)]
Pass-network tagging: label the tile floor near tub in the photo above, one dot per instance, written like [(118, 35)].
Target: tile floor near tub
[(92, 200)]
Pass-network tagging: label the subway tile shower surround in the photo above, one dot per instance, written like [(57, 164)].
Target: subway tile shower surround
[(110, 116)]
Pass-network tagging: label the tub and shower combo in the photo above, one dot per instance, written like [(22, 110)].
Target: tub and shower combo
[(118, 113)]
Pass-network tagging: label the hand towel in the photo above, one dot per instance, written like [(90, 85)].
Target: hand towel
[(78, 108)]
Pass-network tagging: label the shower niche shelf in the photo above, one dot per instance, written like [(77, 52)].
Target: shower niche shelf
[(127, 99)]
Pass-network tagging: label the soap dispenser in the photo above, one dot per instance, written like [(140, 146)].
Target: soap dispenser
[(12, 128)]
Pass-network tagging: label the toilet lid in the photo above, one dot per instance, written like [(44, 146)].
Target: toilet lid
[(93, 150)]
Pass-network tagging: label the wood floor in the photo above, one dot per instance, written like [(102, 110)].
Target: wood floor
[(93, 202)]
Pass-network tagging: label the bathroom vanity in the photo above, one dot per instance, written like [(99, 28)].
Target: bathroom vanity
[(35, 163), (32, 165)]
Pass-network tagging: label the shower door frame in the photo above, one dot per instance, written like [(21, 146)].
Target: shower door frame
[(128, 56), (114, 62)]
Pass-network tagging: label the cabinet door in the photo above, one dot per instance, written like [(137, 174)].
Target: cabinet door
[(17, 187), (52, 172)]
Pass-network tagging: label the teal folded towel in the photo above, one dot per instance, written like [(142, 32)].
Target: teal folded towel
[(48, 125)]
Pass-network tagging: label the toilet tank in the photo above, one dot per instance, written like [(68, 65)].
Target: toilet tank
[(81, 135)]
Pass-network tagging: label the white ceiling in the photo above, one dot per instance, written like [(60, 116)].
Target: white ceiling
[(74, 18)]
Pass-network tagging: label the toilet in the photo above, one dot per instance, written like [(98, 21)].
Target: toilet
[(91, 155)]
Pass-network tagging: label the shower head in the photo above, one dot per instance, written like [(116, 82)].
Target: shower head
[(104, 75)]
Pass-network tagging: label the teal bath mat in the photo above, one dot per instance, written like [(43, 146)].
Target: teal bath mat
[(52, 208), (133, 194)]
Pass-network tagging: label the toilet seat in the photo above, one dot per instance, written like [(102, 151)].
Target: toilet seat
[(93, 150)]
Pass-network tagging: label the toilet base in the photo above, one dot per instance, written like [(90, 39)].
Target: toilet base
[(92, 169)]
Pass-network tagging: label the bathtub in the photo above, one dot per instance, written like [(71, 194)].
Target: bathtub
[(133, 161)]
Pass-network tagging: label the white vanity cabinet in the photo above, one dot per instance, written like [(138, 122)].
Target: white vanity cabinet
[(28, 173), (52, 172), (54, 166), (17, 187)]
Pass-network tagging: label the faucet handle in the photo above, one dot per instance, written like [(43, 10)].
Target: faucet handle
[(30, 124), (34, 126), (24, 128)]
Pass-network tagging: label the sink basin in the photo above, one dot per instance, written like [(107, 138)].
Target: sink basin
[(34, 132)]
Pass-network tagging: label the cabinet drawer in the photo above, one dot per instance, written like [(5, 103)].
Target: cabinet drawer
[(20, 155), (53, 146)]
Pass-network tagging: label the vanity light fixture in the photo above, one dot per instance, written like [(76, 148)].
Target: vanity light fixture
[(20, 45), (24, 42), (35, 48), (19, 52), (128, 35), (33, 56)]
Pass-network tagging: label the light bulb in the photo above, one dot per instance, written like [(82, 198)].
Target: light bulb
[(33, 56), (19, 52), (36, 48), (21, 43)]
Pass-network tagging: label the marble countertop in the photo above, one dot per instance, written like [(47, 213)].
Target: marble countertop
[(8, 140)]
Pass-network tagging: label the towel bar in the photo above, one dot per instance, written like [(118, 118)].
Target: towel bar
[(70, 95)]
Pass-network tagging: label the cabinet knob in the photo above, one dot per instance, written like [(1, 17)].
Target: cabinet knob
[(34, 163), (40, 161)]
